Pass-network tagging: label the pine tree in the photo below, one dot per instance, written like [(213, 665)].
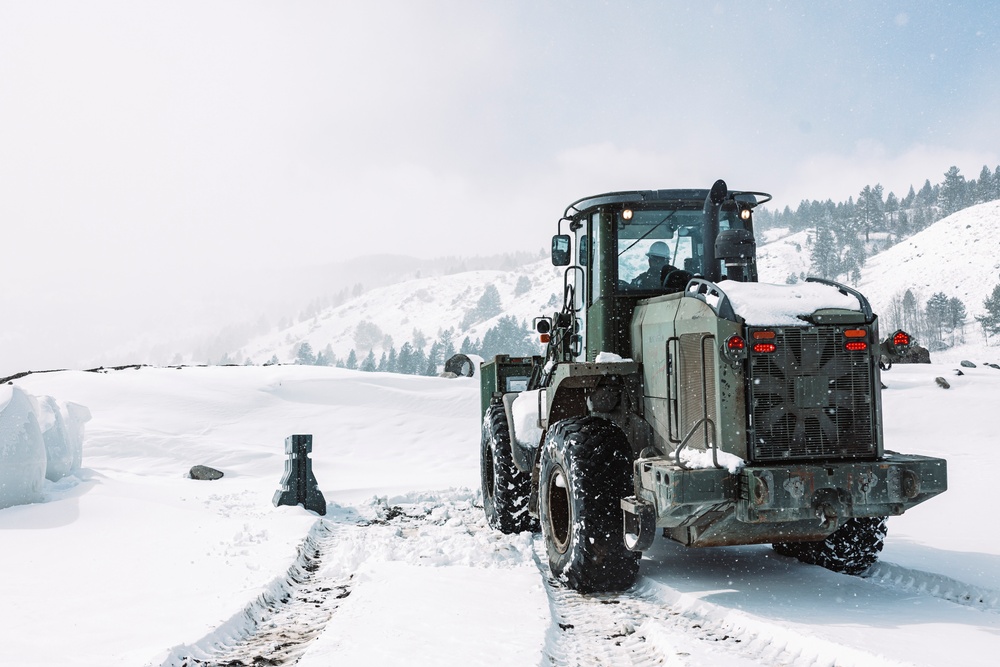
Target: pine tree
[(991, 319), (937, 314), (447, 338), (468, 347), (870, 209), (956, 314), (984, 186), (953, 191), (392, 363), (910, 312), (304, 355), (433, 359), (352, 360), (419, 362), (404, 363), (368, 365), (488, 306), (825, 260), (383, 363), (508, 337)]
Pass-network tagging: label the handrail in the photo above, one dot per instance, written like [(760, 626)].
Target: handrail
[(866, 307), (700, 288)]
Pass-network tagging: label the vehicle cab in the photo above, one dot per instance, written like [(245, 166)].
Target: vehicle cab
[(660, 240)]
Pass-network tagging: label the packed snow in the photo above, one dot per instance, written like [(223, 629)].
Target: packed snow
[(524, 412), (128, 561), (762, 304)]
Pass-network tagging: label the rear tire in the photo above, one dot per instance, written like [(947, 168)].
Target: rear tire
[(586, 469), (505, 488), (851, 549)]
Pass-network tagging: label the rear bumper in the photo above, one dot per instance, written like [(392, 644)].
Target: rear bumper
[(672, 497)]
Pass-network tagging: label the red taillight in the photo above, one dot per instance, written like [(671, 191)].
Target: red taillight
[(855, 333), (901, 338), (764, 348), (856, 346), (763, 335), (736, 344)]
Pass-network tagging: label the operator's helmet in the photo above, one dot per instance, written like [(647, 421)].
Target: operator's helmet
[(659, 249)]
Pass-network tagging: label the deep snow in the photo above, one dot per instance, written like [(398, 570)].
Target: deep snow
[(130, 562)]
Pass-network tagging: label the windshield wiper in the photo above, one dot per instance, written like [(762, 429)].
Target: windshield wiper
[(652, 229)]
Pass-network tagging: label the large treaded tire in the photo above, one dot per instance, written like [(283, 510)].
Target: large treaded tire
[(505, 488), (851, 549), (586, 469)]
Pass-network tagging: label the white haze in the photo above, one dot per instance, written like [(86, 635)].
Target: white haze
[(167, 166)]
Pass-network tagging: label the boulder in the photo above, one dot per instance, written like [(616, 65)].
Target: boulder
[(205, 473)]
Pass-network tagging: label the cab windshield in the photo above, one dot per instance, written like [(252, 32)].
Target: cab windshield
[(652, 243)]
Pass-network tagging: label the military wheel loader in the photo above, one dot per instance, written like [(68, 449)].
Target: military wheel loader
[(701, 404)]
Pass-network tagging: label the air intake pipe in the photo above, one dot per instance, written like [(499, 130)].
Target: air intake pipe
[(713, 204)]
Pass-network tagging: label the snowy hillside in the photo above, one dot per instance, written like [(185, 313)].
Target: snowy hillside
[(428, 305), (780, 255), (130, 562), (958, 255), (925, 263)]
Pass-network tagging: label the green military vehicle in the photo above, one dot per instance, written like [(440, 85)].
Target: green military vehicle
[(678, 393)]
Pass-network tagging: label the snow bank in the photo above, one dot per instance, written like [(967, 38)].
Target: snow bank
[(763, 304), (37, 442)]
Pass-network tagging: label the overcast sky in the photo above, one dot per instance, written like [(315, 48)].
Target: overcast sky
[(152, 153)]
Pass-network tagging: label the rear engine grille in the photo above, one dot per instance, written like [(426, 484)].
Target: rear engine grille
[(811, 398)]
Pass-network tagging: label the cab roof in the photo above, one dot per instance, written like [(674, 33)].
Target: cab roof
[(654, 197)]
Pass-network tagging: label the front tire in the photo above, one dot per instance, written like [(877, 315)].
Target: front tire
[(851, 549), (586, 469), (505, 488)]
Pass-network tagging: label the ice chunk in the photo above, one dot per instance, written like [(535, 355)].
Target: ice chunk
[(22, 450)]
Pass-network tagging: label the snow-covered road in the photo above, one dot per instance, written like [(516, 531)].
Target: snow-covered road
[(132, 563)]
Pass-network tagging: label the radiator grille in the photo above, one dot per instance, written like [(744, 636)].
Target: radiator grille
[(697, 389), (811, 398)]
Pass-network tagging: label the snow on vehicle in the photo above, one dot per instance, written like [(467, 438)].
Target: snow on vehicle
[(686, 396)]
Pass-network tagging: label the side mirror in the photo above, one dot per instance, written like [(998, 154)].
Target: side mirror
[(584, 251), (560, 250)]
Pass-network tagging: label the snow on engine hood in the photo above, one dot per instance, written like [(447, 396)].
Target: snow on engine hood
[(764, 304)]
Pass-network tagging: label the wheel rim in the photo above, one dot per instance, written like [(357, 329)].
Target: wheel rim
[(489, 474), (559, 514)]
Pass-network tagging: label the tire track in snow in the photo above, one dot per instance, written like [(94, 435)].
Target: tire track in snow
[(277, 627), (646, 626), (631, 628), (908, 580)]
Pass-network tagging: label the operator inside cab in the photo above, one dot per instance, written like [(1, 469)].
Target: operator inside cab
[(658, 257)]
